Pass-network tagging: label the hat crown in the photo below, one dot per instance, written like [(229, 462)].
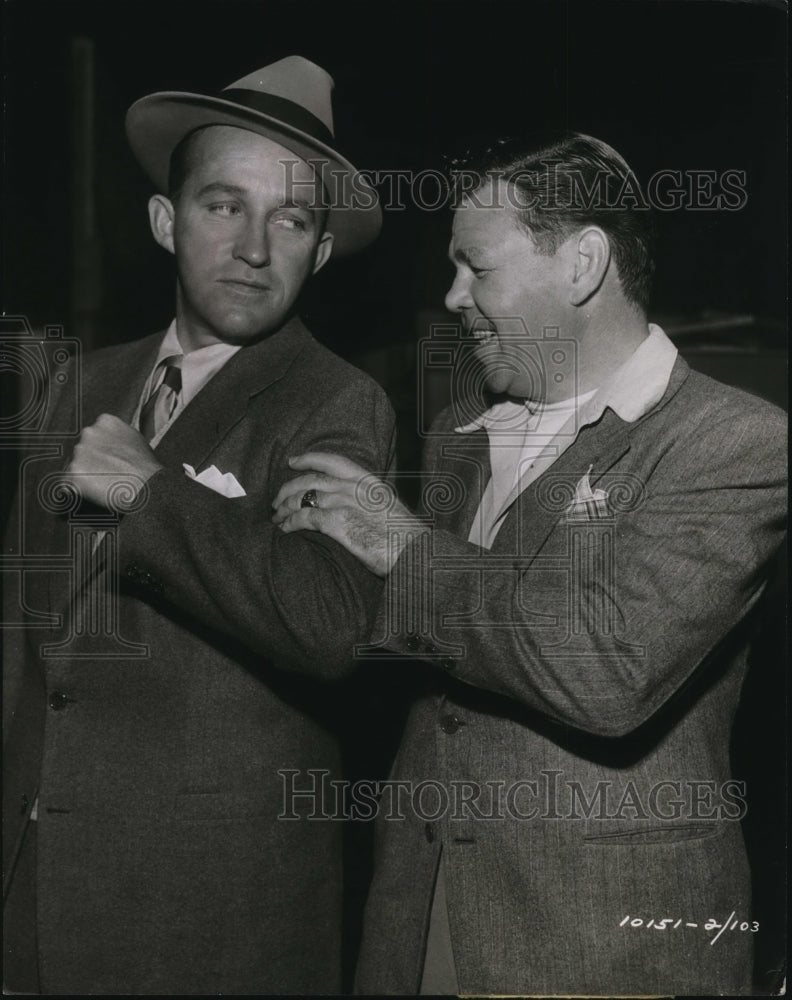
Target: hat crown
[(295, 79), (288, 101)]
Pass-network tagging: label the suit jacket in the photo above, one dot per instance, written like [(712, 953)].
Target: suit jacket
[(154, 734), (574, 734)]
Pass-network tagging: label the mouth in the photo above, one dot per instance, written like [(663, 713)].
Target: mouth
[(482, 332), (245, 287)]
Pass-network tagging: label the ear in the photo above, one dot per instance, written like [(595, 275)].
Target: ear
[(590, 264), (161, 216), (323, 251)]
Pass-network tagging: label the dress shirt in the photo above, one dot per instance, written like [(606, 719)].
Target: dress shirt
[(198, 367), (525, 439)]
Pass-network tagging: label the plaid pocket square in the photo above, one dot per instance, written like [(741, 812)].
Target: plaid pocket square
[(587, 504)]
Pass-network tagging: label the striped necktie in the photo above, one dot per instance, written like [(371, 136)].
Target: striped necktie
[(159, 407)]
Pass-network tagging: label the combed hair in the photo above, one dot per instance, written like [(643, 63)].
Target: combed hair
[(563, 182)]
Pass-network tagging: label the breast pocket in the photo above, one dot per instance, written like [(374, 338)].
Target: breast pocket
[(658, 835)]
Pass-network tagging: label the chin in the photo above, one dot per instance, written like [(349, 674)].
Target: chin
[(499, 381), (246, 330)]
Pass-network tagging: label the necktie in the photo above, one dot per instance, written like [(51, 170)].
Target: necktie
[(159, 407)]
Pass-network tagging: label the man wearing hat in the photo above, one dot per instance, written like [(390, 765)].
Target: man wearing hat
[(142, 794)]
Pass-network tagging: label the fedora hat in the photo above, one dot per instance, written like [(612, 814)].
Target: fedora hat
[(288, 102)]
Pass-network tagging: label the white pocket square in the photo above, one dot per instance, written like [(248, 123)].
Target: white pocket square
[(588, 504), (221, 482)]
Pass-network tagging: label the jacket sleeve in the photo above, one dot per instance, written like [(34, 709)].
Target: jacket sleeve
[(685, 567), (299, 599)]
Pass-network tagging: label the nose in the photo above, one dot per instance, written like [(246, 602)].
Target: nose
[(458, 296), (252, 244)]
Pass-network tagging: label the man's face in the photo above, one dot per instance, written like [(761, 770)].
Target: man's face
[(505, 291), (244, 234)]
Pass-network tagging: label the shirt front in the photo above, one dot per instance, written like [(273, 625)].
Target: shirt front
[(525, 439)]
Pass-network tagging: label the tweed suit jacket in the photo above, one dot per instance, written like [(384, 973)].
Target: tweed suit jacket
[(574, 734), (163, 866)]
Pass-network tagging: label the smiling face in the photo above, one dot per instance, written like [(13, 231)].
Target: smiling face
[(505, 291), (245, 236)]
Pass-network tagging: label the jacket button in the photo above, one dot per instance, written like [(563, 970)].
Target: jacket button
[(131, 571), (450, 724), (412, 643), (58, 701), (429, 832)]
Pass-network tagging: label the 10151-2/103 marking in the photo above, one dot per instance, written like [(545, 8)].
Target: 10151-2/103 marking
[(668, 923)]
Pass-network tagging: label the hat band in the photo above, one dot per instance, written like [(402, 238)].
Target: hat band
[(282, 109)]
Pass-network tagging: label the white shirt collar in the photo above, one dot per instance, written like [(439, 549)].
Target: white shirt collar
[(631, 392), (198, 366)]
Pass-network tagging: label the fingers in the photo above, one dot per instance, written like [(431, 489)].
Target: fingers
[(304, 519), (108, 437), (328, 473), (291, 504), (331, 465), (69, 480), (83, 453), (108, 425), (327, 522), (109, 421), (300, 485)]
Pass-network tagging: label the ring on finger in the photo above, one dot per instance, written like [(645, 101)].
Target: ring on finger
[(309, 499)]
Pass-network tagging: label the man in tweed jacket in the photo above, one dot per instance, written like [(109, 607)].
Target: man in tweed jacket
[(167, 658), (591, 544)]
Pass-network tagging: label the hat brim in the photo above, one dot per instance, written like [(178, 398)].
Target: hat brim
[(156, 124)]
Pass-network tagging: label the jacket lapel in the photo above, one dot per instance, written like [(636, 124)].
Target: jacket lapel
[(117, 390), (535, 512), (205, 421), (465, 457), (105, 389), (223, 402)]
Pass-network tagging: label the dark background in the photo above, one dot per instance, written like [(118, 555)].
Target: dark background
[(689, 85), (686, 86), (682, 85)]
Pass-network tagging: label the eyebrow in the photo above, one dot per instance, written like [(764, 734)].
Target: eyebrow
[(298, 203), (218, 187), (466, 255)]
